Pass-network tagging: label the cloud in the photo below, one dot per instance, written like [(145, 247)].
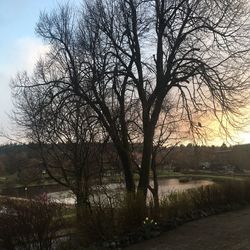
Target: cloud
[(24, 54), (21, 55)]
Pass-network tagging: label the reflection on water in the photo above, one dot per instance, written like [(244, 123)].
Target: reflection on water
[(66, 197), (166, 186)]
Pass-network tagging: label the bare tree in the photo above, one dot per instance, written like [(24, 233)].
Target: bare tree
[(66, 131), (118, 54), (85, 62), (195, 49), (166, 137)]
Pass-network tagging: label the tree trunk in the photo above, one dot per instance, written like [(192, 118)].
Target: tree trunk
[(155, 192), (83, 209), (82, 203), (145, 164), (127, 169)]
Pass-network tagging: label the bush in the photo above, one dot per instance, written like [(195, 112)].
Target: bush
[(116, 221), (206, 200), (110, 216), (113, 220), (27, 225)]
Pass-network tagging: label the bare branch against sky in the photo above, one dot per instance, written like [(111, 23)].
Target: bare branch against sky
[(115, 55), (20, 47)]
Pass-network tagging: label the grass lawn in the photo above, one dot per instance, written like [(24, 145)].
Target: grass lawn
[(203, 175)]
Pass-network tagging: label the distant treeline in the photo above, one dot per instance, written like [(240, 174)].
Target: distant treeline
[(24, 159), (193, 156)]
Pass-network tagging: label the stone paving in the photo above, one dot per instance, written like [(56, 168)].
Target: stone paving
[(228, 231)]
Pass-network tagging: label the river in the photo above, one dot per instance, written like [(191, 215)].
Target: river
[(166, 186)]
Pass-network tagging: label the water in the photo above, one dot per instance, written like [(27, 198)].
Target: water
[(166, 186)]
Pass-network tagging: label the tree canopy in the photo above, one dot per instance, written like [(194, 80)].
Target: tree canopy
[(130, 61)]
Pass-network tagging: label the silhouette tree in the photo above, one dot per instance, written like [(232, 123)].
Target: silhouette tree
[(66, 131), (125, 57)]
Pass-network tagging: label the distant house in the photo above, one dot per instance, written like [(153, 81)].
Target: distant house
[(220, 167), (205, 165)]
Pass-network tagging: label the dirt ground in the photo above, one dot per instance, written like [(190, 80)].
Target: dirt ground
[(228, 231)]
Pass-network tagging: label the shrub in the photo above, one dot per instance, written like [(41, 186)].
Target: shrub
[(110, 216), (119, 221), (27, 225), (204, 200)]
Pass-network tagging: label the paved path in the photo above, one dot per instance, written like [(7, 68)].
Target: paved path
[(228, 231)]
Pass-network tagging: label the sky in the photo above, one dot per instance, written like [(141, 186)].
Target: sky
[(20, 47)]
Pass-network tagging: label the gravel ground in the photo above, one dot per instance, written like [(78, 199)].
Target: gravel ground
[(228, 231)]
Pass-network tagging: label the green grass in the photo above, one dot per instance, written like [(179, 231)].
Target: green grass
[(206, 175)]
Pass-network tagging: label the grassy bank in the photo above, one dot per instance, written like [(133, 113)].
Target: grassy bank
[(203, 175)]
